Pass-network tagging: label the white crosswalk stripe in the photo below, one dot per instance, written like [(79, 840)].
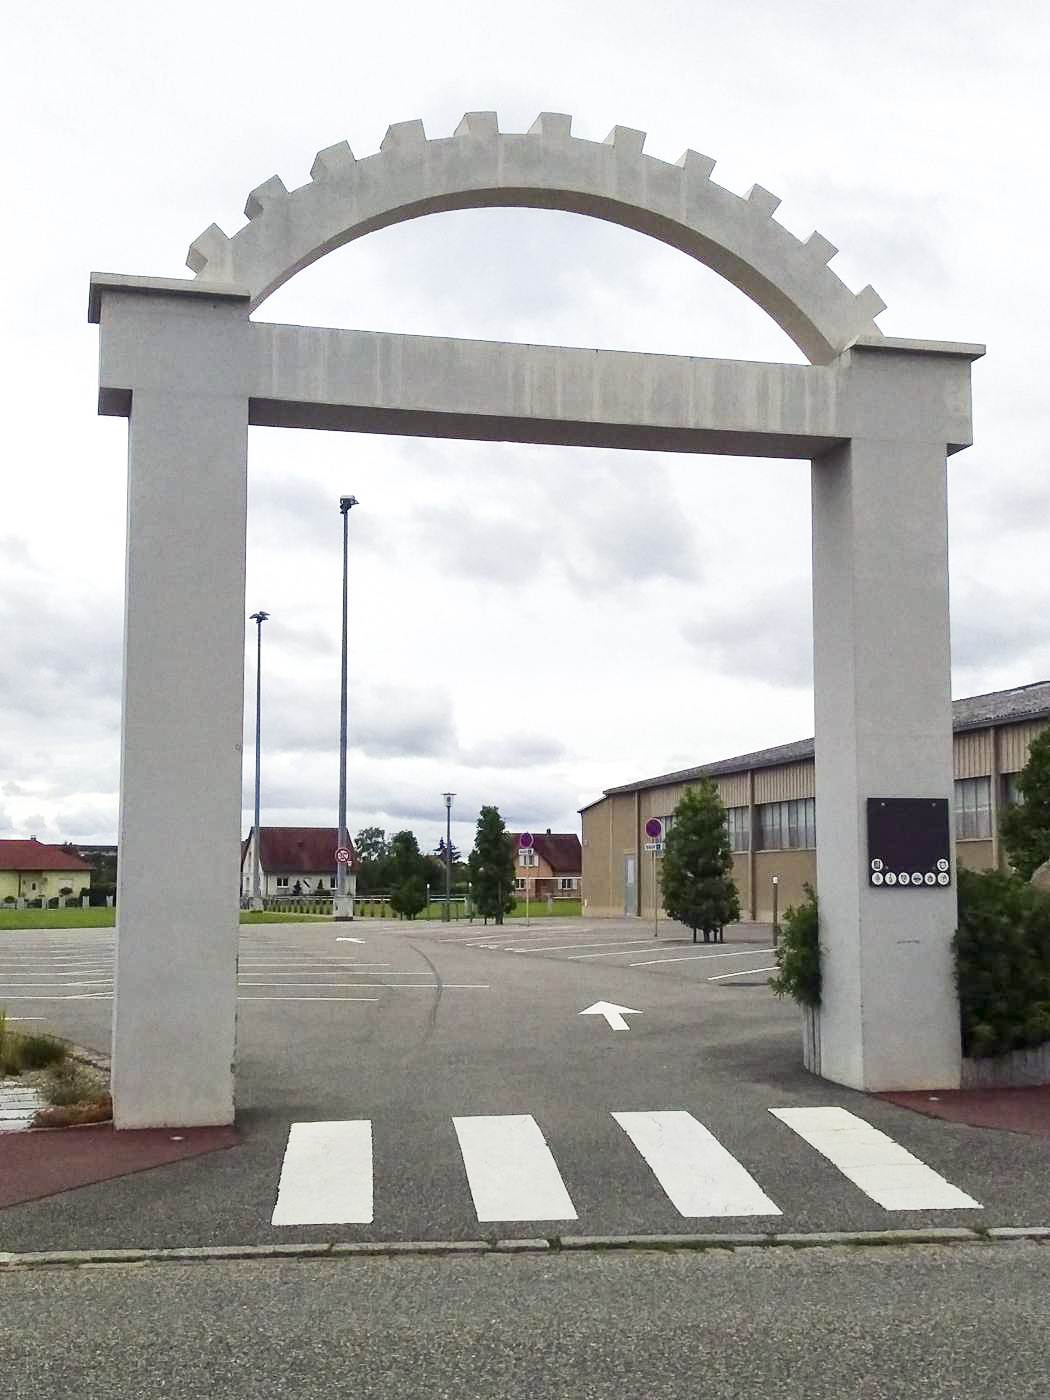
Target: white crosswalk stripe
[(510, 1169), (883, 1170), (512, 1176), (700, 1177), (326, 1178)]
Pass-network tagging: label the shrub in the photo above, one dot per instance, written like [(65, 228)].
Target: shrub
[(71, 1083), (798, 953), (1002, 963), (39, 1051)]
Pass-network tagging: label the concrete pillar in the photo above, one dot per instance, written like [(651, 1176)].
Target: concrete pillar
[(889, 1017), (174, 1023)]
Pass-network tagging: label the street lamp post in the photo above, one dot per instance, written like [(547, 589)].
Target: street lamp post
[(258, 618), (344, 903), (448, 796)]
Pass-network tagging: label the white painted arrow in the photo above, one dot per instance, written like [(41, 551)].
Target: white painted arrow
[(349, 940), (612, 1013)]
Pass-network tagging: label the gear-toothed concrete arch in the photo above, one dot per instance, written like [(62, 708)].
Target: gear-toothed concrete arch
[(546, 168)]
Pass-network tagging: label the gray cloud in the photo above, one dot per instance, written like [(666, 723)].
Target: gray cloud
[(992, 629), (768, 638)]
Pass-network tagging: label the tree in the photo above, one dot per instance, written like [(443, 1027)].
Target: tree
[(373, 854), (1025, 828), (408, 899), (697, 875), (408, 872), (439, 852), (491, 866), (370, 843)]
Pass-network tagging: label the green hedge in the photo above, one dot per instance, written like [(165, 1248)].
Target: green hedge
[(797, 953), (1002, 964)]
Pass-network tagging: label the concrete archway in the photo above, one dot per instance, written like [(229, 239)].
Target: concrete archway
[(876, 417)]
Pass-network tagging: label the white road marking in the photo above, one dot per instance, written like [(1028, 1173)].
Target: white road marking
[(349, 940), (699, 957), (510, 1170), (307, 998), (326, 1178), (699, 1176), (615, 952), (387, 986), (566, 947), (745, 972), (872, 1160), (613, 1014)]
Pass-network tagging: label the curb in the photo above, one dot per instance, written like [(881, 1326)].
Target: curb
[(79, 1258)]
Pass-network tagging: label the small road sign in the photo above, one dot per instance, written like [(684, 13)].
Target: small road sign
[(525, 840), (654, 828), (655, 846), (342, 855)]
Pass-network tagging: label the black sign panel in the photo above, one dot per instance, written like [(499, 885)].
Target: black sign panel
[(909, 843)]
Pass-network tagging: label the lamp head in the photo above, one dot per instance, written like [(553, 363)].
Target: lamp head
[(260, 616), (345, 502), (448, 796)]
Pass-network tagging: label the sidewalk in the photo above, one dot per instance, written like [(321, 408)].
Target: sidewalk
[(1016, 1110)]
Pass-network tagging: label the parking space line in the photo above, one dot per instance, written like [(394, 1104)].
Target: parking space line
[(744, 972), (326, 1178), (700, 957)]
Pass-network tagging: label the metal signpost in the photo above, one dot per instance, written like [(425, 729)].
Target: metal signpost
[(525, 844), (654, 829)]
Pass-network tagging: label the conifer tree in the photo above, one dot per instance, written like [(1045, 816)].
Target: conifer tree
[(1025, 828), (491, 866), (697, 874)]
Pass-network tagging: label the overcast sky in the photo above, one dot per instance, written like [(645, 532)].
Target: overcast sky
[(528, 625)]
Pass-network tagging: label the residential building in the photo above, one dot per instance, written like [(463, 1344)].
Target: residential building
[(294, 860), (33, 870), (551, 867), (772, 813)]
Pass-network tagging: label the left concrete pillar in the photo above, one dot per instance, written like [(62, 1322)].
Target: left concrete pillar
[(174, 1023)]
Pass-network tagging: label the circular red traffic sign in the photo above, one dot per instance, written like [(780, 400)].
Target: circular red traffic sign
[(654, 828), (342, 855), (525, 840)]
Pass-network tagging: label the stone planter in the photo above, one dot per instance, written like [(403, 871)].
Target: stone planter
[(1018, 1069), (811, 1038)]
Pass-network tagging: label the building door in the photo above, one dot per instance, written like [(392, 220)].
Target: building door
[(630, 905)]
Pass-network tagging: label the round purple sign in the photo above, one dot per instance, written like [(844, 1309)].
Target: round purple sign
[(525, 840), (654, 828)]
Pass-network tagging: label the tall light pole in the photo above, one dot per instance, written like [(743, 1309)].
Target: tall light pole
[(258, 618), (344, 904), (448, 796)]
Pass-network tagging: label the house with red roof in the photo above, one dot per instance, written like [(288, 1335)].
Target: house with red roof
[(34, 870), (294, 860), (551, 867)]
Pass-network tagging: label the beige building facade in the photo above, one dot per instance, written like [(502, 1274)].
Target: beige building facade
[(771, 813)]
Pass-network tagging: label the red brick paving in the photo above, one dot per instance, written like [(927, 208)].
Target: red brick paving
[(36, 1164), (1018, 1110)]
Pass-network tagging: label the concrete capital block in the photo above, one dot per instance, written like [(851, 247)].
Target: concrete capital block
[(333, 163), (404, 136), (553, 126), (481, 124), (271, 191), (626, 139), (869, 303)]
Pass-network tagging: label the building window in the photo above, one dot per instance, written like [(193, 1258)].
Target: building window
[(282, 882), (331, 882), (738, 827), (788, 826), (973, 809), (527, 857), (568, 882), (1012, 795), (519, 884)]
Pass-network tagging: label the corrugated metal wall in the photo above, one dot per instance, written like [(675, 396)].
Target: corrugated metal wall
[(784, 782)]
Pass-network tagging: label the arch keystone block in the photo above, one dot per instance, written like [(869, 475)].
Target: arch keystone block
[(271, 191), (870, 303), (404, 136), (821, 248), (695, 166), (209, 249), (481, 124), (555, 126), (626, 140), (333, 162), (761, 198)]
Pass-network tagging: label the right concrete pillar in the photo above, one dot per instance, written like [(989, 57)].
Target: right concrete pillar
[(889, 1016)]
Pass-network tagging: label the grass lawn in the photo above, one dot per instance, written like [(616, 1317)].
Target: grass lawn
[(105, 918)]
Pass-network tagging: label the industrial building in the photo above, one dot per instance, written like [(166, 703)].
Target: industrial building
[(772, 816)]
